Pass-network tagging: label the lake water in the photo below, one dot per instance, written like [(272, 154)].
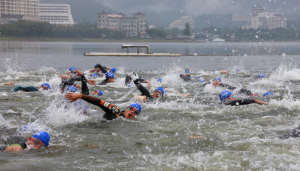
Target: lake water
[(177, 133)]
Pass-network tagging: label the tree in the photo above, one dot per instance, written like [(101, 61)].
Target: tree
[(187, 30)]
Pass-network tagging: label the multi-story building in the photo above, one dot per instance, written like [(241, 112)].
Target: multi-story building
[(134, 25), (180, 23), (12, 10), (266, 20), (59, 14)]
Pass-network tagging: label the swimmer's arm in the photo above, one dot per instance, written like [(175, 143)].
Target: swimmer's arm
[(9, 83), (98, 102), (227, 86), (93, 70), (261, 102), (224, 71), (15, 147), (142, 89), (108, 68), (142, 98), (102, 68)]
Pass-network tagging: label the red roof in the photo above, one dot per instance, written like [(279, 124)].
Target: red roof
[(139, 13)]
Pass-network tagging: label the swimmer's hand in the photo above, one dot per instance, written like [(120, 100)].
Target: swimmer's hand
[(91, 82), (73, 96), (261, 102), (77, 86), (78, 72), (149, 83), (142, 98)]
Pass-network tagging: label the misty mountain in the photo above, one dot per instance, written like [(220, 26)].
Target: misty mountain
[(205, 12), (81, 9)]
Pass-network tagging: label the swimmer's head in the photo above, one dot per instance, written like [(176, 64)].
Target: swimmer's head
[(97, 92), (225, 95), (45, 86), (261, 75), (110, 77), (187, 71), (113, 70), (95, 75), (72, 69), (268, 94), (217, 79), (159, 92), (38, 140), (72, 89)]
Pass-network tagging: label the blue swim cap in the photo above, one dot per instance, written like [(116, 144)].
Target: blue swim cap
[(72, 69), (219, 79), (187, 71), (43, 136), (72, 89), (161, 89), (95, 75), (46, 84), (99, 93), (261, 75), (113, 70), (201, 80), (136, 105), (159, 80), (267, 94), (109, 75), (225, 95)]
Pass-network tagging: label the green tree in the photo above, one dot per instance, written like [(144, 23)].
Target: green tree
[(187, 30)]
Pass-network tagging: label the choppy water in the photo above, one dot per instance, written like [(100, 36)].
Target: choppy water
[(179, 133)]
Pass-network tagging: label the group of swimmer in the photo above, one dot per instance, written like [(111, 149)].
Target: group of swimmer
[(42, 138)]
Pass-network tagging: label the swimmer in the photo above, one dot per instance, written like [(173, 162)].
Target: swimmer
[(26, 88), (110, 78), (36, 141), (146, 97), (186, 76), (68, 80), (228, 98), (128, 80), (295, 133), (97, 68), (111, 111), (217, 83)]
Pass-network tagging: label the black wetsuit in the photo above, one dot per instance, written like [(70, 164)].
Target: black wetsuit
[(239, 102), (128, 80), (186, 77), (104, 82), (68, 82), (25, 88), (295, 133), (14, 141), (71, 81), (143, 90), (244, 91), (111, 111), (102, 68)]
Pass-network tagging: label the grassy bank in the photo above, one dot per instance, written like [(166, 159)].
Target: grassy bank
[(45, 39), (87, 39)]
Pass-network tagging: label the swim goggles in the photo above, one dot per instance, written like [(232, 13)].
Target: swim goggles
[(136, 111)]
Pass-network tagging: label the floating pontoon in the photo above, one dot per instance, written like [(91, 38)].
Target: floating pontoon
[(133, 54)]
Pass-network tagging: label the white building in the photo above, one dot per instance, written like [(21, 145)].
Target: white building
[(180, 23), (13, 10), (59, 14), (134, 25), (266, 20)]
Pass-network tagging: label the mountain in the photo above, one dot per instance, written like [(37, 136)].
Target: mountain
[(82, 9)]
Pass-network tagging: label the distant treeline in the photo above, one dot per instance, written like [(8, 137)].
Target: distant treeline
[(254, 34), (44, 29)]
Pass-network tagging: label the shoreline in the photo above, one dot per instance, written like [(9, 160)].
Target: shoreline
[(45, 39)]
